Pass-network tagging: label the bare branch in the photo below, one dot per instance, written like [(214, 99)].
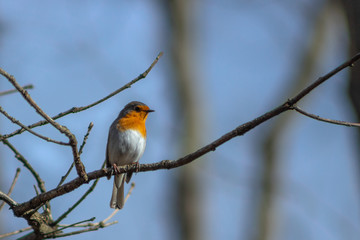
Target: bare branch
[(15, 232), (81, 225), (320, 80), (83, 231), (32, 103), (92, 226), (343, 123), (167, 164), (36, 190), (86, 137), (71, 225), (64, 215), (63, 178), (18, 170), (8, 199), (21, 158), (62, 129), (29, 86), (12, 186), (46, 203), (79, 109), (12, 119), (126, 86), (116, 210)]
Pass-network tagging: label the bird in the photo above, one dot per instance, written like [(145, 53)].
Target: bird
[(126, 145)]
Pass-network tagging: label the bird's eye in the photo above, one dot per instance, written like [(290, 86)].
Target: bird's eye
[(137, 109)]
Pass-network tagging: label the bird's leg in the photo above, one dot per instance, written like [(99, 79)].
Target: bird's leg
[(137, 167), (116, 170)]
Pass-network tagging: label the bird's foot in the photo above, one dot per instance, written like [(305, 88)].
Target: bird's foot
[(137, 166), (115, 169)]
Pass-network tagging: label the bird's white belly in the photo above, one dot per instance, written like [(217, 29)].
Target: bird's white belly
[(130, 145)]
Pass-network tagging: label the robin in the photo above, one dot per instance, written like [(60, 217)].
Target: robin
[(126, 144)]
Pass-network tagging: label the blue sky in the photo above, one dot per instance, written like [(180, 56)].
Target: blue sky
[(245, 54)]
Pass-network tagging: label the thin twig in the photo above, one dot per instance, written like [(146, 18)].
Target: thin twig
[(63, 178), (15, 232), (12, 186), (320, 80), (27, 165), (29, 86), (86, 137), (62, 129), (83, 231), (32, 103), (65, 214), (343, 123), (36, 190), (79, 109), (6, 198), (80, 225), (116, 210), (71, 225), (18, 170), (12, 119)]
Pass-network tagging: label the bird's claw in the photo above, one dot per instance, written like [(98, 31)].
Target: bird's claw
[(137, 166), (115, 169)]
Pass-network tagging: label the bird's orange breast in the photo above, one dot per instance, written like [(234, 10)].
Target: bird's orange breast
[(134, 121)]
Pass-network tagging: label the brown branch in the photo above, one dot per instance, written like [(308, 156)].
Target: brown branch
[(62, 129), (6, 198), (63, 178), (45, 206), (18, 170), (83, 225), (27, 165), (32, 103), (64, 215), (337, 122), (322, 79), (79, 109), (92, 226), (12, 119), (91, 125), (12, 186), (69, 226), (167, 164), (15, 232), (83, 231), (29, 86), (117, 210)]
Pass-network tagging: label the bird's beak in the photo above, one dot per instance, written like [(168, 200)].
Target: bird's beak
[(149, 110)]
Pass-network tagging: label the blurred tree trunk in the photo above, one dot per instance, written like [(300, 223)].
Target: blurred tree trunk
[(187, 195), (303, 74), (352, 12)]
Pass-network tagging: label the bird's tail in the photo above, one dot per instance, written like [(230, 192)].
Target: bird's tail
[(117, 197)]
